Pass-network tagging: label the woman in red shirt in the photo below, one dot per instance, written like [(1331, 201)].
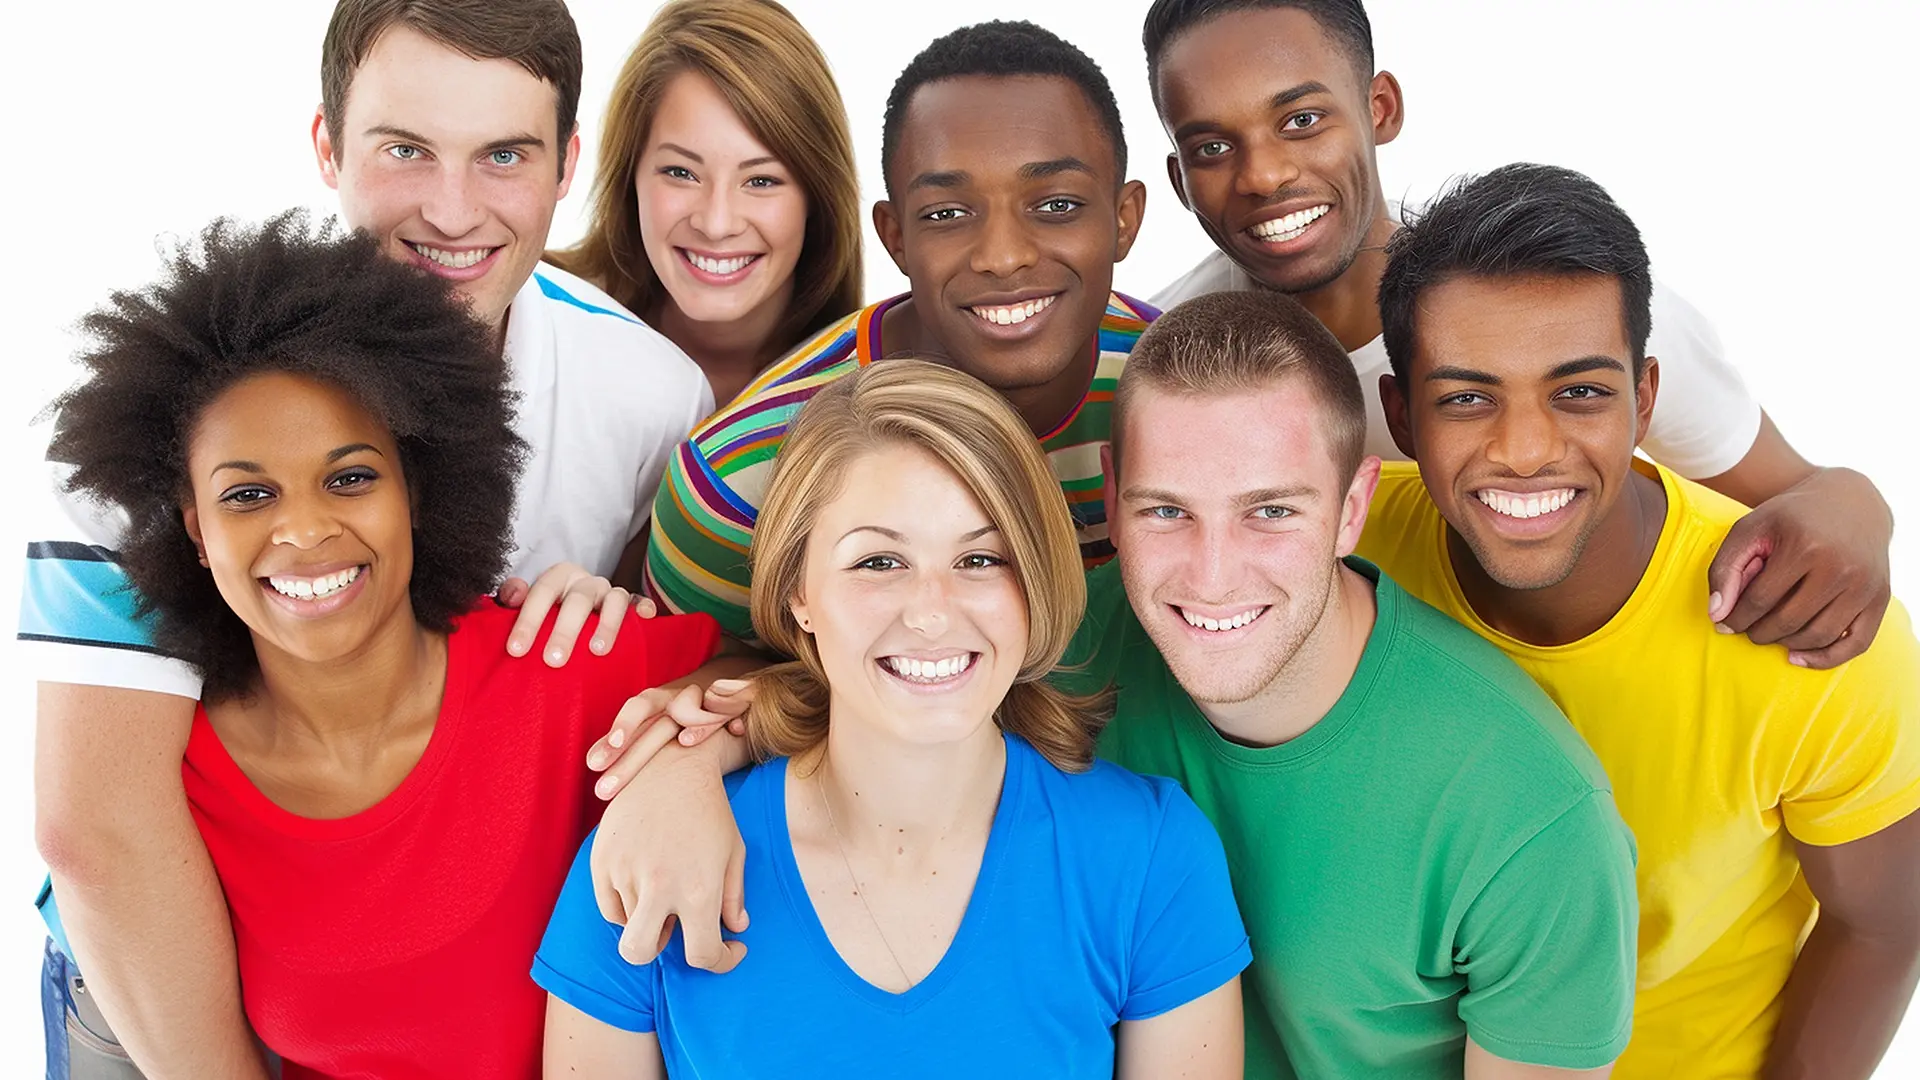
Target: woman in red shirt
[(311, 445)]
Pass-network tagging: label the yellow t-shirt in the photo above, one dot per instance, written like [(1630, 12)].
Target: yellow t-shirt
[(1721, 754)]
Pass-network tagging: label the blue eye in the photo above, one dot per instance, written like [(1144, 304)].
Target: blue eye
[(1273, 513), (404, 152), (1164, 513), (504, 158)]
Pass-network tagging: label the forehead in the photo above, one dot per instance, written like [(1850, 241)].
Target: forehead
[(990, 126), (279, 415), (693, 113), (1519, 325), (1248, 56), (413, 82), (905, 488), (1218, 445)]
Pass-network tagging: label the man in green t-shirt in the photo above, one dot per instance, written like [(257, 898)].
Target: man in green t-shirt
[(1427, 857)]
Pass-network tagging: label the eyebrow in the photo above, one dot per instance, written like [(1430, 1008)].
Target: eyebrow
[(1279, 101), (901, 538), (333, 455), (1451, 373), (764, 159), (1040, 170), (950, 178), (1256, 497)]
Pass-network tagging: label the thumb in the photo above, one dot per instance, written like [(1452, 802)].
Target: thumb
[(733, 895), (1742, 555)]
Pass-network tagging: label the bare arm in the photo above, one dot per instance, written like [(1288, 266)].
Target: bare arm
[(1808, 567), (137, 892), (1856, 973), (577, 1045), (1201, 1040), (1482, 1065)]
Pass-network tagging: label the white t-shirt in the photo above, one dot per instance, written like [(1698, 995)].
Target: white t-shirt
[(603, 400), (1704, 420)]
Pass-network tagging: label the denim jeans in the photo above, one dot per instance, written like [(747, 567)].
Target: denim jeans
[(80, 1046)]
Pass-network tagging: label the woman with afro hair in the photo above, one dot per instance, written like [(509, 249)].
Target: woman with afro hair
[(310, 445)]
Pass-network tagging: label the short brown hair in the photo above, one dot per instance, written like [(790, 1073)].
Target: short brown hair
[(539, 35), (773, 75), (1227, 342), (974, 432)]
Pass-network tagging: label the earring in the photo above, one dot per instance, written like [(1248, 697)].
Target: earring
[(806, 626)]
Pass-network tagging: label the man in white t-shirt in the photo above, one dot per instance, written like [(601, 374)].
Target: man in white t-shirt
[(455, 164), (1275, 113)]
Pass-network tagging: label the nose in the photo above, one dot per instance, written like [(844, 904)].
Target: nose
[(927, 606), (1211, 563), (716, 216), (1266, 167), (453, 206), (1004, 246), (1525, 439), (303, 522)]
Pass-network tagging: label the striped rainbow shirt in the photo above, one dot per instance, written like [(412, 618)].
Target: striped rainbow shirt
[(704, 513)]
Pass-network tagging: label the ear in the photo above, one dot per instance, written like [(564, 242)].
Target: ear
[(1353, 512), (886, 225), (568, 162), (1644, 392), (190, 517), (323, 150), (1132, 207), (1399, 415), (801, 615), (1109, 491), (1178, 180), (1388, 107)]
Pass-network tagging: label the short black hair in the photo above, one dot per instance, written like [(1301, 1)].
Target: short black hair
[(287, 297), (1345, 21), (1518, 219), (1001, 49)]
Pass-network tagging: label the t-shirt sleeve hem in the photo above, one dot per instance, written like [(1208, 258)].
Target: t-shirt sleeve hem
[(1171, 995), (1861, 823), (588, 1000), (104, 665), (1554, 1055)]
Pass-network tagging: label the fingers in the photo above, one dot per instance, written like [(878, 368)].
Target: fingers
[(526, 627), (613, 614), (1852, 641), (655, 735), (575, 606), (645, 608), (613, 903), (512, 592), (647, 932), (1733, 566), (706, 949), (733, 895), (1759, 593)]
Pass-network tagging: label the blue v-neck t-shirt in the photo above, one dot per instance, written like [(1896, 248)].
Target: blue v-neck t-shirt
[(1102, 896)]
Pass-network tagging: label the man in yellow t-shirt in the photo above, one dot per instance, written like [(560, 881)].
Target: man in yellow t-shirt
[(1760, 792)]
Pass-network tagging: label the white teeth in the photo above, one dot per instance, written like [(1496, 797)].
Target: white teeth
[(1282, 229), (1216, 626), (314, 588), (1530, 505), (928, 670), (452, 260), (1009, 314), (720, 266)]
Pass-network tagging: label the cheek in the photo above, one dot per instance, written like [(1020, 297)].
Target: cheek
[(782, 224), (657, 207)]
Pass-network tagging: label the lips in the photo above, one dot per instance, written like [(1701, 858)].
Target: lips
[(314, 588), (457, 264), (1015, 313), (1289, 226), (1524, 505), (1222, 622)]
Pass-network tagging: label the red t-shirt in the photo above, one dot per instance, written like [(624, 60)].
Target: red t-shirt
[(396, 943)]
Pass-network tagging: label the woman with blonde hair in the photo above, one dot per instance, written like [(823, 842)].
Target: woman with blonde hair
[(950, 883), (726, 209)]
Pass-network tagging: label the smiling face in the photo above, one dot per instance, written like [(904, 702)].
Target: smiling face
[(1274, 129), (454, 164), (1228, 544), (919, 621), (1007, 215), (299, 502), (722, 220), (1522, 410)]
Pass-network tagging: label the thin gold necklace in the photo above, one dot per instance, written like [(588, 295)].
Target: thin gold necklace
[(858, 889)]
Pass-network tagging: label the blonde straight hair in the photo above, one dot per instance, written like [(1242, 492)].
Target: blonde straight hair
[(774, 76), (975, 433)]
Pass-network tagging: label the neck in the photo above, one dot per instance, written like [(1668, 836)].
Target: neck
[(890, 798), (397, 675), (1607, 570), (729, 351), (1313, 679), (1349, 305), (1043, 407)]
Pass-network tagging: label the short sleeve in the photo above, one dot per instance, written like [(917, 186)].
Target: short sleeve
[(1856, 769), (1548, 947), (697, 547), (78, 611), (1188, 937), (1705, 419), (579, 959)]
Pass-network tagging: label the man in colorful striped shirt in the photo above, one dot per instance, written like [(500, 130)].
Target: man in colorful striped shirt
[(1007, 207)]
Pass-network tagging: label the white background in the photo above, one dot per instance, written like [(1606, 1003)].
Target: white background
[(1763, 147)]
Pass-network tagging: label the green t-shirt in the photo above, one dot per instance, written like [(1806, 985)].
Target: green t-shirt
[(1439, 856)]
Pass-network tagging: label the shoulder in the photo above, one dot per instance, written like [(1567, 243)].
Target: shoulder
[(1121, 324), (1107, 800), (646, 653), (1213, 273), (589, 323)]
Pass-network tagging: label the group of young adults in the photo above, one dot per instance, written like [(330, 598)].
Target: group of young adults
[(1071, 688)]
